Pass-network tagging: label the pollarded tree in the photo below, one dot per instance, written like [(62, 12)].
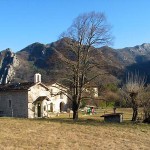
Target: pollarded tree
[(87, 31), (133, 91), (146, 104)]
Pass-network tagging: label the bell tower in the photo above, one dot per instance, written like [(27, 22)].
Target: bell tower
[(37, 78)]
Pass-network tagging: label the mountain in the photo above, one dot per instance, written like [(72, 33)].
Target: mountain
[(37, 57), (137, 54), (136, 59)]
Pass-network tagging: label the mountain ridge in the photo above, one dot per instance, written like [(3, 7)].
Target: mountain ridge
[(38, 57)]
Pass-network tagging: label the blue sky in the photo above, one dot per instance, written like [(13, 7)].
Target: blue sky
[(23, 22)]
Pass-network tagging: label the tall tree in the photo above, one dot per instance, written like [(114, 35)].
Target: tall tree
[(87, 31)]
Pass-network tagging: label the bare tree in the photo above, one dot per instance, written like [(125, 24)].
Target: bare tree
[(133, 89), (87, 30)]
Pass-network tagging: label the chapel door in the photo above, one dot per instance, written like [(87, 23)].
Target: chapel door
[(61, 106), (51, 107), (39, 110)]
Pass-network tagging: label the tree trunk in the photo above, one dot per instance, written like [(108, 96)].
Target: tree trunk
[(75, 108), (146, 116), (147, 120), (134, 106), (75, 115), (135, 113)]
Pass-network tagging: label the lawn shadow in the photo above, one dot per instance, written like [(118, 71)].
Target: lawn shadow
[(87, 122)]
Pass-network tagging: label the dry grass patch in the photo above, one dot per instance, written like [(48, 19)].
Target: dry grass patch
[(63, 133)]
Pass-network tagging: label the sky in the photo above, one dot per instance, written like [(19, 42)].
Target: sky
[(23, 22)]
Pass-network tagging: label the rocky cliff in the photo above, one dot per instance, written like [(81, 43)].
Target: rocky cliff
[(8, 65)]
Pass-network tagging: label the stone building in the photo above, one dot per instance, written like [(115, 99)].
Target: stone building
[(32, 99)]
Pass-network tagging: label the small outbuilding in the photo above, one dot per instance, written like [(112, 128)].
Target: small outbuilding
[(114, 117)]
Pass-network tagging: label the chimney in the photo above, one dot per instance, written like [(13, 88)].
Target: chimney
[(37, 78)]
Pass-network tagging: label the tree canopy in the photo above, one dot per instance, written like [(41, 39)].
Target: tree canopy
[(87, 31)]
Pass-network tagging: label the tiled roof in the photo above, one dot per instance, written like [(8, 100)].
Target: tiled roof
[(16, 86)]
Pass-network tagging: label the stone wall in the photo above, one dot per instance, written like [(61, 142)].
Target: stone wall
[(14, 103)]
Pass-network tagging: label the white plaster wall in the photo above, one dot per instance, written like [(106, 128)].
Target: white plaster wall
[(56, 99), (95, 92), (37, 91), (34, 92)]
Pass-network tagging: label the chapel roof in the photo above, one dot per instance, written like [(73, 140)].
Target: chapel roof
[(16, 86), (23, 86)]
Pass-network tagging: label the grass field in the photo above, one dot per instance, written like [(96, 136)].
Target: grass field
[(90, 132)]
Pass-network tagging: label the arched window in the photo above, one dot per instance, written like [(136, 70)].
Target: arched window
[(51, 107), (61, 95), (9, 103)]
